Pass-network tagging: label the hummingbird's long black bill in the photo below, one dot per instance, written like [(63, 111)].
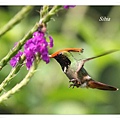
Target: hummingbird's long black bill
[(106, 53), (101, 86)]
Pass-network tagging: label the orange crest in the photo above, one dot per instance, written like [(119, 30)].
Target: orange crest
[(66, 50)]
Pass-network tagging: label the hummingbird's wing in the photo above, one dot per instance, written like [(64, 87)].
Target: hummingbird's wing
[(106, 53)]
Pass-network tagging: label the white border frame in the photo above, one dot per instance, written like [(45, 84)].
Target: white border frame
[(59, 2)]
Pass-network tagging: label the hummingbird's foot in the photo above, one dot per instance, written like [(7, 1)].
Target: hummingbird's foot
[(75, 83), (71, 85)]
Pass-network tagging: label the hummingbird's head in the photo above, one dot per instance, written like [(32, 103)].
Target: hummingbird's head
[(63, 56)]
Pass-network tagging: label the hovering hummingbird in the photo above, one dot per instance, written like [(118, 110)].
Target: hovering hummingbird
[(74, 69)]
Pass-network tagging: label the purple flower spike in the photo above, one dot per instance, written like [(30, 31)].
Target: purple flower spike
[(69, 6), (35, 45), (15, 59)]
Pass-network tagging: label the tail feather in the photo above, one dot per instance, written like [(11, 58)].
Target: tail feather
[(101, 86)]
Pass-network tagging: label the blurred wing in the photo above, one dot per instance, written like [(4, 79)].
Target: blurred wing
[(106, 53)]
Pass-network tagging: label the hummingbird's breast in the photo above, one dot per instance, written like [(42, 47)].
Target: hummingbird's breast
[(71, 73), (77, 73)]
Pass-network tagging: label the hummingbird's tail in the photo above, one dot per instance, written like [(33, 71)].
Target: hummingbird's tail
[(101, 86)]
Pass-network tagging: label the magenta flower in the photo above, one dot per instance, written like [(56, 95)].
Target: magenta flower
[(51, 42), (15, 59), (69, 6), (37, 44)]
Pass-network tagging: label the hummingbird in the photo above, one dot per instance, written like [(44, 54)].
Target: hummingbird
[(75, 71)]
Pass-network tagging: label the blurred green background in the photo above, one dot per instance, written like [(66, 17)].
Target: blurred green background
[(48, 91)]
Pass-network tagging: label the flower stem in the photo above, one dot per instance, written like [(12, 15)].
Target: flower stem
[(17, 87), (17, 18), (13, 73), (46, 18)]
